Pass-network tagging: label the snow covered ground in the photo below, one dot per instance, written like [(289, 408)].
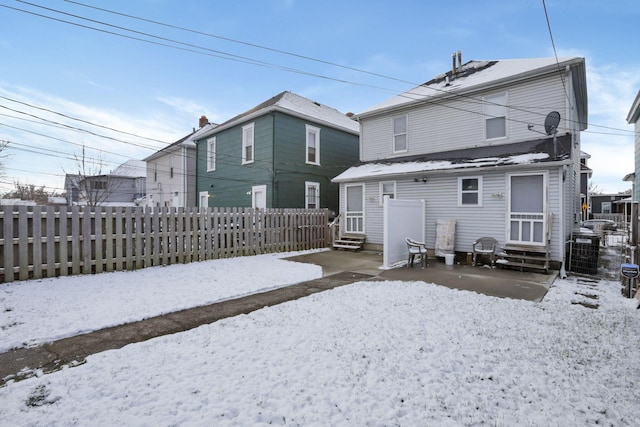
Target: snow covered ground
[(371, 353)]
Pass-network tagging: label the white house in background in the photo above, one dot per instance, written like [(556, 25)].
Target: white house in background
[(492, 146), (171, 172), (633, 118), (124, 186)]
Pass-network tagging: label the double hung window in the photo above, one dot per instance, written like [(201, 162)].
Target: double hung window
[(470, 191), (495, 113), (211, 154), (313, 145), (247, 143), (400, 142)]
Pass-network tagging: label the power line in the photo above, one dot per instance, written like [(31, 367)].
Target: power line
[(284, 52), (229, 56), (555, 53), (77, 129), (80, 120)]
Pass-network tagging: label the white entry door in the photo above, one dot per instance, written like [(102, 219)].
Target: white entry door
[(527, 209), (259, 196), (354, 213)]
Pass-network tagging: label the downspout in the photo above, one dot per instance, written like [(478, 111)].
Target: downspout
[(274, 191), (185, 176), (561, 238)]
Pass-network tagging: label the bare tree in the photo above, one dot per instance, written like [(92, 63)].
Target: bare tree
[(93, 185), (3, 145), (30, 192), (593, 188)]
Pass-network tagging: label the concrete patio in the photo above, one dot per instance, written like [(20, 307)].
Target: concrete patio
[(497, 282)]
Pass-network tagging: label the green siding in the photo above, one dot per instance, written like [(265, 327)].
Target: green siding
[(338, 151), (280, 166)]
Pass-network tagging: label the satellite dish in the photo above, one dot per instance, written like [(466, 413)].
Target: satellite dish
[(551, 122)]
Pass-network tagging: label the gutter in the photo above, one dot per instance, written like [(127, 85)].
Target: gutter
[(545, 165)]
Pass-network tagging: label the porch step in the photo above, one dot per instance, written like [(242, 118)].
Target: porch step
[(524, 257), (352, 242)]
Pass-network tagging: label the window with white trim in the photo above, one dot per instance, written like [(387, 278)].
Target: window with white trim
[(495, 116), (247, 143), (211, 154), (312, 195), (387, 188), (400, 142), (470, 191), (606, 207), (313, 145)]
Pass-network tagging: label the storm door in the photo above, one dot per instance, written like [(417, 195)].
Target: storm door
[(354, 213), (527, 209)]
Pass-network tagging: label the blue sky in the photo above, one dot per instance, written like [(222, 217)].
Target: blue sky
[(347, 55)]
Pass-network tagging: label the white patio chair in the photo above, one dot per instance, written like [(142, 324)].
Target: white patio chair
[(485, 246), (416, 249)]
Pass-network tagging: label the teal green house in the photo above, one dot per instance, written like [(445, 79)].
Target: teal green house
[(282, 153)]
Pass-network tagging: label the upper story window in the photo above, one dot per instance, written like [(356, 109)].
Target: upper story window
[(313, 145), (400, 143), (387, 188), (211, 154), (312, 195), (495, 116), (98, 185), (470, 191), (247, 143)]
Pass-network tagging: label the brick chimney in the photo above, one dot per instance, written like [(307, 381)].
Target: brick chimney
[(203, 121)]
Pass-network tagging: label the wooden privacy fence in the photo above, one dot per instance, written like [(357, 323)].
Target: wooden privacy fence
[(47, 241)]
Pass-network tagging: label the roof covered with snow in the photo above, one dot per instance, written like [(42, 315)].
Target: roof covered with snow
[(535, 151), (131, 168), (475, 75), (298, 106)]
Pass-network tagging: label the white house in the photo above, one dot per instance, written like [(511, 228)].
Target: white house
[(490, 146), (171, 172), (633, 118)]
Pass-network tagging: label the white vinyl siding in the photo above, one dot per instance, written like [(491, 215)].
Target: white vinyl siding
[(459, 123), (313, 145), (247, 143), (440, 204), (211, 154)]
